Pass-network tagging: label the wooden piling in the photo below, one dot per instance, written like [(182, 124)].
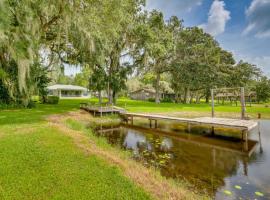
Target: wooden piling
[(243, 103), (212, 102), (188, 127), (245, 135), (213, 131)]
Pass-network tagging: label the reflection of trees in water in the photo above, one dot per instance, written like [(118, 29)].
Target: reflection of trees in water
[(204, 167), (114, 137)]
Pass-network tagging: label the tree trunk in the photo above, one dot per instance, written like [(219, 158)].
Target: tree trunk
[(207, 96), (110, 99), (157, 100), (191, 98), (197, 98), (114, 97), (186, 95), (99, 98)]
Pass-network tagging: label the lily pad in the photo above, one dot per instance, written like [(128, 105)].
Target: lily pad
[(238, 187), (259, 194), (227, 192)]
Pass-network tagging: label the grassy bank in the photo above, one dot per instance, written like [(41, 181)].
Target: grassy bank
[(48, 154), (192, 110), (39, 161)]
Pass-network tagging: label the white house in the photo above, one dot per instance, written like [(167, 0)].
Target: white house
[(68, 91)]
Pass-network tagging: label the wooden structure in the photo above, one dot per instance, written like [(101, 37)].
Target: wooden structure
[(245, 126), (230, 94), (100, 110), (241, 96), (143, 94)]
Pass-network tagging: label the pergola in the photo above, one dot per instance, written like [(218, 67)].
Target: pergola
[(232, 95), (235, 97)]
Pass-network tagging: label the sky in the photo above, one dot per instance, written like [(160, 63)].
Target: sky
[(240, 26)]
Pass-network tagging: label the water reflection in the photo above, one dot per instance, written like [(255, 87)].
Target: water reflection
[(215, 166)]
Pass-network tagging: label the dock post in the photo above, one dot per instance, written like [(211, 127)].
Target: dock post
[(156, 123), (259, 132), (243, 103), (188, 127), (245, 136), (213, 131), (213, 102), (131, 120), (150, 123)]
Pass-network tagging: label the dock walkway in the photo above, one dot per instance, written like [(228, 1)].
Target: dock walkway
[(245, 126)]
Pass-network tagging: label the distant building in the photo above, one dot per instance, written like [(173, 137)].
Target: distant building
[(68, 91), (143, 94)]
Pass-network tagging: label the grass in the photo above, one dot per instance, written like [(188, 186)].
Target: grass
[(38, 114), (192, 110), (38, 161)]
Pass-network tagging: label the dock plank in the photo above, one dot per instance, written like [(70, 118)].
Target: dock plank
[(223, 122)]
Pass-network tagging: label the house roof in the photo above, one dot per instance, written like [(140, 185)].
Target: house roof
[(144, 90), (66, 87)]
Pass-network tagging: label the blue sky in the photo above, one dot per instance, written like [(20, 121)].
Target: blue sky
[(240, 26)]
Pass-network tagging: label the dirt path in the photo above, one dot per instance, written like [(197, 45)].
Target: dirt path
[(150, 180)]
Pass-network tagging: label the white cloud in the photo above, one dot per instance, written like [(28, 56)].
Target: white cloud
[(172, 7), (217, 18), (258, 15), (263, 62)]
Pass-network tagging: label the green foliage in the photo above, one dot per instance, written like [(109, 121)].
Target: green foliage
[(98, 80), (156, 45), (37, 38), (31, 104), (82, 79), (243, 74), (167, 100), (151, 99), (52, 100), (262, 88)]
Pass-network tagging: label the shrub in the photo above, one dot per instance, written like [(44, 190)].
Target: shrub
[(151, 100), (52, 100), (31, 104), (167, 100)]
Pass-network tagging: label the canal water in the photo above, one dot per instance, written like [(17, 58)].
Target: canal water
[(212, 165)]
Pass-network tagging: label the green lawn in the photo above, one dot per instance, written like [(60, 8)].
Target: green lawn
[(191, 110), (40, 162)]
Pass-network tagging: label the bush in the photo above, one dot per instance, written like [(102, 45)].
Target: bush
[(52, 100), (31, 104), (151, 99), (167, 100)]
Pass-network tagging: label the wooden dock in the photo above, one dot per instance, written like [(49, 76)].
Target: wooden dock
[(245, 126), (100, 110)]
